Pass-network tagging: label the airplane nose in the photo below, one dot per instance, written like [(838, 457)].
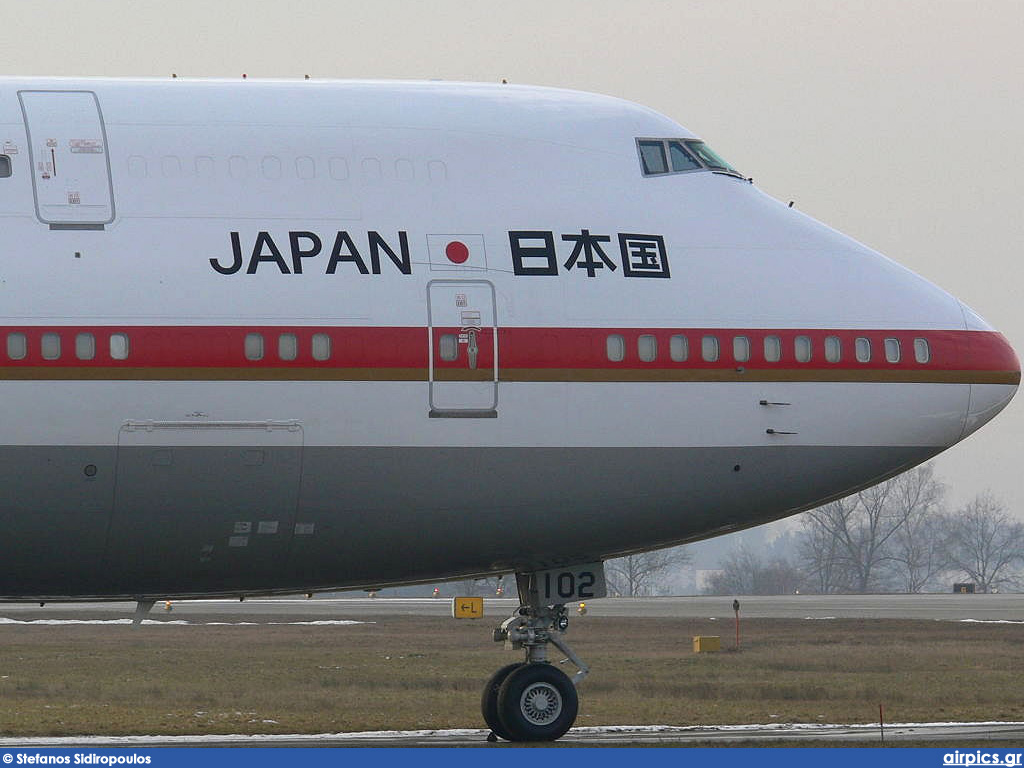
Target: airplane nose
[(993, 369)]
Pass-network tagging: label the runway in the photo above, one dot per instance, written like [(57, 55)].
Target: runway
[(1005, 608), (946, 607), (620, 736)]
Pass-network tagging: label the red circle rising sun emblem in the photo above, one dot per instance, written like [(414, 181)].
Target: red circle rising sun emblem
[(457, 252)]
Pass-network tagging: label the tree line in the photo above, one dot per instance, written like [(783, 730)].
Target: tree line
[(898, 536)]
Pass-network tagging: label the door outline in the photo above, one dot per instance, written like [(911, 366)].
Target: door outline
[(490, 410), (57, 224)]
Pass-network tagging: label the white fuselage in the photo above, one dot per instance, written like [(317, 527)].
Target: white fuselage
[(276, 336)]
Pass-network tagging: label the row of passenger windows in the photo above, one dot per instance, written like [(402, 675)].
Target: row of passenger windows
[(273, 168), (742, 349), (287, 346), (50, 346)]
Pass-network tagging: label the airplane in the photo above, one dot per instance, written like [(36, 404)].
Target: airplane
[(267, 337)]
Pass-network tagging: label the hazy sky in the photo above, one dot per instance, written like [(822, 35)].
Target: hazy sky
[(899, 123)]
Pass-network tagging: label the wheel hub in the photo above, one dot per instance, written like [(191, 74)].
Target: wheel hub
[(541, 703)]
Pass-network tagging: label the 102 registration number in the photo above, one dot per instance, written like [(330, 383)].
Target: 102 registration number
[(580, 582)]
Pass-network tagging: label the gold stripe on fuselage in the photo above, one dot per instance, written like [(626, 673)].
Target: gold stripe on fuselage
[(524, 375)]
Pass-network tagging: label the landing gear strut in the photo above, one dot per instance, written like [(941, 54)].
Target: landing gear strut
[(533, 700)]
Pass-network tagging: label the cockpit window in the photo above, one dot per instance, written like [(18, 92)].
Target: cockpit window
[(652, 153), (661, 156), (709, 158), (681, 159)]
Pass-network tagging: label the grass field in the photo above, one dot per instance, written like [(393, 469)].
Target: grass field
[(404, 672)]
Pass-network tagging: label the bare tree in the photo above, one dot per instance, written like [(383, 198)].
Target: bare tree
[(819, 550), (743, 572), (983, 541), (737, 574), (641, 574), (850, 543), (917, 547)]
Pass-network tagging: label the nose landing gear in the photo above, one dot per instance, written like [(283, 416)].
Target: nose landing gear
[(533, 700)]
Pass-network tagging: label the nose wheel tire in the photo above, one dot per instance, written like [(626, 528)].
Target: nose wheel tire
[(536, 702), (489, 701)]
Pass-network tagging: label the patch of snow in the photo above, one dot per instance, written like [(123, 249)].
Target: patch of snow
[(255, 740), (990, 621)]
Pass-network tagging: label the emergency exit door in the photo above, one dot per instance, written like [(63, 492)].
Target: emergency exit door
[(70, 160), (463, 349)]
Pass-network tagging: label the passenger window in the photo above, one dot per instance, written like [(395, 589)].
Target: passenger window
[(51, 346), (833, 349), (205, 167), (802, 349), (321, 346), (709, 348), (740, 349), (338, 168), (270, 167), (681, 159), (305, 167), (892, 350), (137, 167), (254, 346), (679, 348), (652, 154), (404, 169), (449, 347), (287, 346), (170, 165), (922, 351), (85, 346), (772, 349), (238, 167), (647, 348), (863, 349), (119, 346), (5, 166), (17, 346), (616, 348), (371, 168)]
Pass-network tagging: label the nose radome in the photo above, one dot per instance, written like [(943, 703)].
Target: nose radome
[(993, 370)]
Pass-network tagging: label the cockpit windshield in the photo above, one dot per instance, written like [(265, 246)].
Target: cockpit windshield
[(663, 156), (709, 158)]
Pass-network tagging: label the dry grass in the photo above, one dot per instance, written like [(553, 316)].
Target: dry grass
[(417, 672)]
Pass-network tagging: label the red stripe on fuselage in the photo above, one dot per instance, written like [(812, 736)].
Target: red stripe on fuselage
[(382, 348)]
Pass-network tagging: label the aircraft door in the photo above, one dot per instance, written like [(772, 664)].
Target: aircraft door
[(70, 164), (463, 349)]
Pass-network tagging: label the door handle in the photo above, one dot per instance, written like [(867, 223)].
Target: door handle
[(472, 350)]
